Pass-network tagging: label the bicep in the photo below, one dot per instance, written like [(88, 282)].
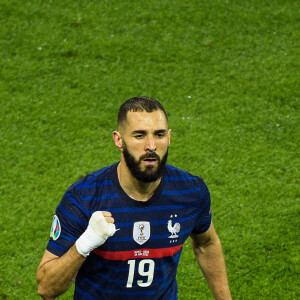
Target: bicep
[(204, 239), (71, 221)]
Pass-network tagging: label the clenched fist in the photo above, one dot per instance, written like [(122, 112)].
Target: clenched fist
[(101, 226)]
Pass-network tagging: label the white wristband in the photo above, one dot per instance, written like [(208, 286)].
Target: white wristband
[(95, 235)]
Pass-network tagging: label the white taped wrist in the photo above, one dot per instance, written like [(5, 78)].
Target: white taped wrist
[(95, 235), (88, 241)]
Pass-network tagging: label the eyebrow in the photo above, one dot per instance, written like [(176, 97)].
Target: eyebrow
[(145, 131)]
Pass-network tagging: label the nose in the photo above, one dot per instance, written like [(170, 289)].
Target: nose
[(150, 144)]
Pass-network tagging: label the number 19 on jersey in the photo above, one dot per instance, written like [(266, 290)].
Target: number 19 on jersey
[(145, 264)]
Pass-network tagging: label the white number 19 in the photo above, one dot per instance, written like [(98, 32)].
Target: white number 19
[(141, 271)]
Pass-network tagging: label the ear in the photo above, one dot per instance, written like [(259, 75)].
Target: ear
[(169, 134), (118, 140)]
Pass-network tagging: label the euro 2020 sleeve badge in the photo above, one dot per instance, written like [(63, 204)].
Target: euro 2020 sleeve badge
[(55, 228)]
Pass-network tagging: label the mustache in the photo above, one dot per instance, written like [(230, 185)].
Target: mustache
[(149, 155)]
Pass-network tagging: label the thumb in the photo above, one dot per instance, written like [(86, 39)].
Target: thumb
[(111, 229)]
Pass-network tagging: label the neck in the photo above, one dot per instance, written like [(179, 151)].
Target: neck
[(134, 188)]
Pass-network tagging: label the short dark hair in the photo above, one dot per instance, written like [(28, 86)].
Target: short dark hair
[(139, 103)]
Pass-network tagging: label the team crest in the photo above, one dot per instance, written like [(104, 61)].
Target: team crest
[(173, 229), (55, 228), (141, 232)]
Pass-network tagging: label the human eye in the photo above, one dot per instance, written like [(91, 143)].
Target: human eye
[(161, 134)]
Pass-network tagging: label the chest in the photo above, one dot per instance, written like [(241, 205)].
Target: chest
[(166, 224)]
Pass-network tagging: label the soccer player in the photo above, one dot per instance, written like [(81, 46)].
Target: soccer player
[(119, 231)]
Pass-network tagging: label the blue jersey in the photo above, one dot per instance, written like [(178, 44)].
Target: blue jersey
[(140, 261)]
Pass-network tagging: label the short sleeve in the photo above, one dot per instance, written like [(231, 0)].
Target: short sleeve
[(203, 220), (69, 222)]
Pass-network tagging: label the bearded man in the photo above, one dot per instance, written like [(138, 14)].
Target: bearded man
[(119, 231)]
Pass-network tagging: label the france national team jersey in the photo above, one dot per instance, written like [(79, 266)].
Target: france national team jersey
[(140, 261)]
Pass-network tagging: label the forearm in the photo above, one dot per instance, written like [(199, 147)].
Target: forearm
[(211, 261), (55, 276)]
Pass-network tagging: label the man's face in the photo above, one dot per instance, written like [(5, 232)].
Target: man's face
[(145, 142)]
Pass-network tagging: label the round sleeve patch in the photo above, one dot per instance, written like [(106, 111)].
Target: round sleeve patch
[(55, 228)]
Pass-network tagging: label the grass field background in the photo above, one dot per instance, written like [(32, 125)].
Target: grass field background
[(228, 74)]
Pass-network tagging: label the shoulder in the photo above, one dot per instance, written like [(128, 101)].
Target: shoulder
[(174, 174), (184, 185), (94, 179), (92, 186), (184, 182), (95, 176)]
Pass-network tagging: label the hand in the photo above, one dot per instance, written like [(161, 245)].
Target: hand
[(107, 215), (101, 226)]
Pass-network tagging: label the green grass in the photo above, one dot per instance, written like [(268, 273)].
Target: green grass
[(227, 73)]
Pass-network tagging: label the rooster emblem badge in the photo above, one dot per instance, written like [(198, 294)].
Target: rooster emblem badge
[(173, 229)]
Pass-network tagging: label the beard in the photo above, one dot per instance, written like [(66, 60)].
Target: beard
[(150, 173)]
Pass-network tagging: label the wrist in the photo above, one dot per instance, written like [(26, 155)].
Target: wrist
[(95, 235), (88, 241)]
